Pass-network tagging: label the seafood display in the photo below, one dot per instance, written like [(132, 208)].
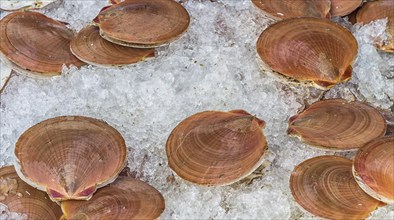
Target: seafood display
[(72, 166)]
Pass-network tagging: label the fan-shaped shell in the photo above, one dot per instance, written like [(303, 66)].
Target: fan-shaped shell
[(70, 156), (336, 124), (143, 23), (375, 10), (126, 198), (90, 47), (15, 5), (21, 198), (342, 8), (216, 148), (309, 50), (285, 9), (373, 168), (325, 187), (36, 44)]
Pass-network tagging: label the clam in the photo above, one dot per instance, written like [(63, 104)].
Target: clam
[(373, 169), (126, 198), (21, 198), (342, 8), (336, 124), (325, 187), (70, 156), (15, 5), (285, 9), (216, 148), (309, 50), (36, 44), (91, 48), (143, 23), (379, 10)]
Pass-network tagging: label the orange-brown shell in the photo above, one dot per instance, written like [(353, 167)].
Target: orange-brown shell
[(70, 156), (309, 50), (375, 10), (36, 44), (373, 168), (344, 7), (143, 23), (126, 198), (21, 198), (285, 9), (325, 187), (216, 148), (336, 124), (90, 47)]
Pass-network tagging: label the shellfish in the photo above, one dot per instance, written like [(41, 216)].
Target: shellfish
[(336, 124), (35, 44), (70, 156), (90, 47), (342, 8), (143, 23), (378, 10), (325, 187), (373, 169), (285, 9), (22, 198), (126, 198), (309, 50), (216, 148)]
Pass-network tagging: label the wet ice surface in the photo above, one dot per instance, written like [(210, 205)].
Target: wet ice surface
[(214, 66)]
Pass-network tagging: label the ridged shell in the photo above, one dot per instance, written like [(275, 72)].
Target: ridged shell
[(22, 198), (336, 124), (325, 187), (126, 198), (285, 9), (216, 148), (143, 23), (15, 5), (90, 47), (309, 50), (36, 44), (375, 10), (70, 156), (373, 168), (344, 7)]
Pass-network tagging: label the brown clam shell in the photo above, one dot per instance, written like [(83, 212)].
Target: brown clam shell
[(373, 168), (90, 47), (126, 198), (70, 156), (143, 23), (325, 187), (378, 10), (216, 148), (336, 124), (285, 9), (21, 198), (35, 43), (344, 7), (309, 50)]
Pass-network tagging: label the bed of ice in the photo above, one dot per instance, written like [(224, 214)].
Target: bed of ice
[(214, 66)]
